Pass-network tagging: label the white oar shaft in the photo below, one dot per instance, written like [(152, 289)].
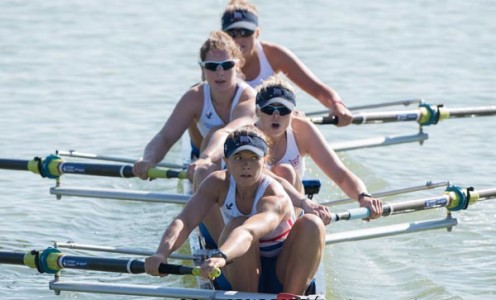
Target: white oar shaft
[(152, 291), (427, 186), (391, 230), (72, 153), (379, 142), (370, 106), (120, 195), (121, 250)]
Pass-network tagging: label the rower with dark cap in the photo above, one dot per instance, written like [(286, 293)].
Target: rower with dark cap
[(262, 244), (264, 59), (292, 137)]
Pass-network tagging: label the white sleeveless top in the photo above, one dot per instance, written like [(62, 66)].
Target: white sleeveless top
[(265, 68), (209, 118), (270, 244), (292, 155)]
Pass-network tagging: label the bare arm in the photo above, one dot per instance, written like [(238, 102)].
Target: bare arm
[(285, 61), (181, 118), (328, 161), (243, 114), (299, 200), (192, 214)]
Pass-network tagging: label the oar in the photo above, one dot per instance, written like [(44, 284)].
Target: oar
[(53, 167), (73, 153), (51, 260), (425, 115), (428, 185), (148, 196), (455, 198), (121, 250), (370, 106)]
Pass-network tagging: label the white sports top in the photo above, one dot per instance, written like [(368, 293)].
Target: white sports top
[(209, 118), (292, 155), (270, 244), (265, 68)]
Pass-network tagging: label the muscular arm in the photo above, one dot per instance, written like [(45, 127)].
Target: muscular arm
[(181, 118), (284, 61), (271, 210), (192, 214), (328, 161), (243, 114)]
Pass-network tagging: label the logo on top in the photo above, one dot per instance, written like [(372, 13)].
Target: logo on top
[(237, 16), (243, 140), (277, 92)]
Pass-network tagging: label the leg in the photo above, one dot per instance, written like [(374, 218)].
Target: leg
[(301, 254), (243, 274), (287, 172)]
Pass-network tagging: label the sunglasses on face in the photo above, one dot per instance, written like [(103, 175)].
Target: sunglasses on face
[(215, 65), (269, 110), (234, 33)]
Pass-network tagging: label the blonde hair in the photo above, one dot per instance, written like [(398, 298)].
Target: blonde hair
[(234, 5), (250, 130), (274, 81), (219, 40)]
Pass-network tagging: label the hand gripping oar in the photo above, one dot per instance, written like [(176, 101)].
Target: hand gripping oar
[(51, 260), (454, 199), (53, 167), (426, 115)]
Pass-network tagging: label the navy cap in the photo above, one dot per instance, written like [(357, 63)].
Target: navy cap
[(249, 142), (276, 94), (239, 19)]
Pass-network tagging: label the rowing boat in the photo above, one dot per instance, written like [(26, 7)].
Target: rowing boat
[(53, 167)]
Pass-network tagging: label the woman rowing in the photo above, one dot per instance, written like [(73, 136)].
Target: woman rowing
[(292, 137), (213, 108), (262, 244), (264, 59)]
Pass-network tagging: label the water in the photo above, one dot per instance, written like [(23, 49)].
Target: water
[(102, 77)]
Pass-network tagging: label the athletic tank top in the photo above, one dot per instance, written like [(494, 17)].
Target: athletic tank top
[(209, 118), (265, 68), (270, 244), (292, 155)]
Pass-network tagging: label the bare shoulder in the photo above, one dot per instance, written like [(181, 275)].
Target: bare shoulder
[(214, 186), (192, 98), (248, 93), (300, 123)]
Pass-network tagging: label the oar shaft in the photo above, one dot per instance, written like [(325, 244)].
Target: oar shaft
[(51, 261), (487, 194), (480, 111), (73, 153), (395, 208), (14, 164), (53, 167), (425, 115)]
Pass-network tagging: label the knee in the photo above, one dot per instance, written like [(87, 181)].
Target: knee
[(310, 225), (287, 172)]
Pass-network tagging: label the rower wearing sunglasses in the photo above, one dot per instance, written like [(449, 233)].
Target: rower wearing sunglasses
[(213, 108), (264, 59), (292, 137)]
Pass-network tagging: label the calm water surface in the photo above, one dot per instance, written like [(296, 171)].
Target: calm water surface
[(102, 76)]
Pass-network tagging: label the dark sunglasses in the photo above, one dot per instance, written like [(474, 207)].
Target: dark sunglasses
[(234, 33), (214, 65), (269, 109)]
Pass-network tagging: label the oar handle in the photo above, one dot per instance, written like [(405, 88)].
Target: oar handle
[(185, 270)]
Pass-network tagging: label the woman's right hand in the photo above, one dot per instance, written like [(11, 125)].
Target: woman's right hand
[(140, 168), (153, 262)]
